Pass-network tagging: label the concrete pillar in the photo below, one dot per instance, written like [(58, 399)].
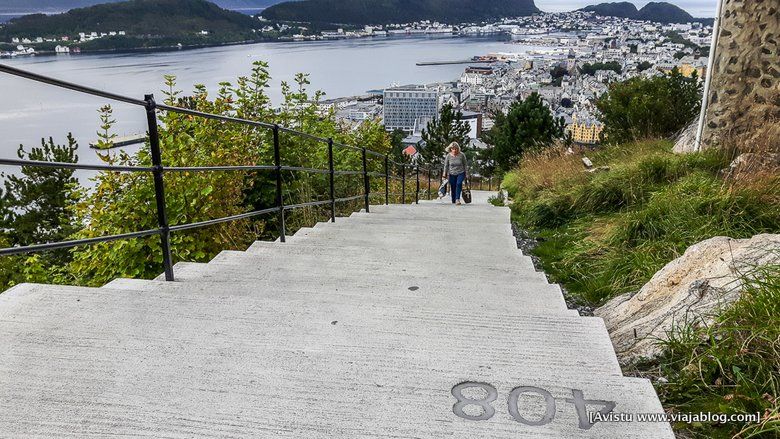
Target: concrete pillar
[(744, 98)]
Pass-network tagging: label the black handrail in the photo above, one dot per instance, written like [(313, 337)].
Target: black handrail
[(158, 170)]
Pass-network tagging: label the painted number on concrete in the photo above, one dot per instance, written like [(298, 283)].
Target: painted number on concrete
[(481, 408)]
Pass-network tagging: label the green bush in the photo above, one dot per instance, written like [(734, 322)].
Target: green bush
[(642, 108)]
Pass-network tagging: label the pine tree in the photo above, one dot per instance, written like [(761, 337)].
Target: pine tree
[(528, 124), (37, 206)]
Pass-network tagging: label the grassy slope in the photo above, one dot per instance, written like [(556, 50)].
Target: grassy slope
[(607, 233)]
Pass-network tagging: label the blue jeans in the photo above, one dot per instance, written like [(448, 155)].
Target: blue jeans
[(456, 185)]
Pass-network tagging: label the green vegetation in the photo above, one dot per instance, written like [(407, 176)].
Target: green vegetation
[(731, 366), (439, 133), (557, 73), (607, 233), (397, 11), (147, 23), (529, 124), (591, 69), (616, 9), (124, 202), (649, 108), (36, 207), (644, 65)]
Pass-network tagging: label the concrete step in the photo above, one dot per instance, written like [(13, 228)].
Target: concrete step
[(110, 362), (411, 239), (511, 259), (435, 296), (285, 307), (382, 265), (539, 297)]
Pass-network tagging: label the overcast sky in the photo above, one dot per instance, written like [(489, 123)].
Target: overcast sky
[(697, 8)]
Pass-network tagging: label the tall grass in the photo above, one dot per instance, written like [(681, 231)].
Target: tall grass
[(731, 366), (607, 233)]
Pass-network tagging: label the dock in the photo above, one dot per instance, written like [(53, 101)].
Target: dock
[(122, 141)]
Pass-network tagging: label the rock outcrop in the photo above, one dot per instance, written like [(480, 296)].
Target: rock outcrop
[(690, 289), (686, 140)]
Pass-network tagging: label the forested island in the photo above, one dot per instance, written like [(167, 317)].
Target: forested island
[(135, 24)]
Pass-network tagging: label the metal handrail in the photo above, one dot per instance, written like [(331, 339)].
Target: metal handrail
[(158, 170), (64, 165)]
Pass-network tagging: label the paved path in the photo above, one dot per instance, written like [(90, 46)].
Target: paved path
[(420, 321)]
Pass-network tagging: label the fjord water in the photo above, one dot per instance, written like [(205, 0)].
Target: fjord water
[(30, 111)]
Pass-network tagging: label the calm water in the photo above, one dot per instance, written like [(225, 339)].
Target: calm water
[(29, 111)]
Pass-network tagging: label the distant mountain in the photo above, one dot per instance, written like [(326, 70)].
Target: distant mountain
[(53, 6), (397, 11), (621, 9), (136, 17), (661, 12), (664, 13)]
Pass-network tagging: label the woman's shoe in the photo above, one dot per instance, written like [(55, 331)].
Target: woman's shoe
[(458, 203)]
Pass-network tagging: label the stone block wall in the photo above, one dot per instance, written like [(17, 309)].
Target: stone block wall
[(744, 98)]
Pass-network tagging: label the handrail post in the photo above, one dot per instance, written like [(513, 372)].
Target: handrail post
[(278, 172), (366, 182), (429, 182), (387, 179), (332, 182), (403, 183), (159, 186), (417, 184)]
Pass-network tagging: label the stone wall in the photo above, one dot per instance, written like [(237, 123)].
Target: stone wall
[(744, 98)]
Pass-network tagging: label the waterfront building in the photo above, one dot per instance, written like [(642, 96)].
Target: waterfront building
[(408, 106)]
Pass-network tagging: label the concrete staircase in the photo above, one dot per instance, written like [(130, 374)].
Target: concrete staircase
[(420, 321)]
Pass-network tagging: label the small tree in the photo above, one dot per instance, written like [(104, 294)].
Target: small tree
[(37, 205), (528, 124), (105, 136), (644, 65), (438, 134)]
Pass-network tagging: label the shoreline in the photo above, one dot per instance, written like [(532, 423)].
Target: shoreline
[(154, 49)]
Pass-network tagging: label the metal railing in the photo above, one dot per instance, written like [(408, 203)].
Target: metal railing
[(158, 171)]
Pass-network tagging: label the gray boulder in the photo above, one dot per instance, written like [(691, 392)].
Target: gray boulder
[(689, 290)]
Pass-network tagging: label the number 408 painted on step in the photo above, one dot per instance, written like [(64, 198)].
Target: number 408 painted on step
[(578, 399)]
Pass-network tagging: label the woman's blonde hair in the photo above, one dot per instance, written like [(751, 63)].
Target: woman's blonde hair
[(453, 145)]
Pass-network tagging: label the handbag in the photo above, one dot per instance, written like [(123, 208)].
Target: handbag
[(443, 189), (466, 194)]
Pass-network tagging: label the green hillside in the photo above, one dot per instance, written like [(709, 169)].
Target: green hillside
[(137, 18), (620, 9), (397, 11)]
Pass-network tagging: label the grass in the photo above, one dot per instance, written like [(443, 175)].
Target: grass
[(732, 366), (606, 233)]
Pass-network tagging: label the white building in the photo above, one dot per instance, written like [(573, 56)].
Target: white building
[(409, 106)]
